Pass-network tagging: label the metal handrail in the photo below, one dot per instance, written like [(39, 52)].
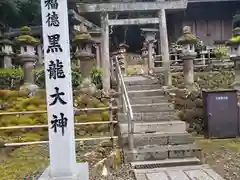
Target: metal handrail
[(127, 108)]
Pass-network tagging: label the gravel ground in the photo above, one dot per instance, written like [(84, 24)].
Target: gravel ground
[(225, 162), (123, 173), (223, 155), (28, 163)]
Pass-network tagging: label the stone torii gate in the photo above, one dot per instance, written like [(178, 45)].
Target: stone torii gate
[(159, 5)]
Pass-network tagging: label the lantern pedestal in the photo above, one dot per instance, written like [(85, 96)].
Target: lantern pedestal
[(87, 62), (188, 67), (28, 69), (188, 42)]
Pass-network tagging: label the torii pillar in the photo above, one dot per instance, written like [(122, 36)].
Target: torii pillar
[(164, 47), (105, 51)]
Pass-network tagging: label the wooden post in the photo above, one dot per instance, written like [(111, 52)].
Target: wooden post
[(164, 47), (105, 51)]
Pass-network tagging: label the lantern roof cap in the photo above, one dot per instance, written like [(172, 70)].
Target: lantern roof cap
[(26, 38), (83, 35), (123, 45), (235, 40), (188, 37)]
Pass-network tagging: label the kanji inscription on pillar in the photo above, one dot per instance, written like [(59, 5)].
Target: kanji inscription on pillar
[(58, 87)]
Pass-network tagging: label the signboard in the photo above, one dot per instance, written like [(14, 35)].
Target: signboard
[(58, 88)]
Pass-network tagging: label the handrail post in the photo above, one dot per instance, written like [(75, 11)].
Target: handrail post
[(111, 122), (127, 109)]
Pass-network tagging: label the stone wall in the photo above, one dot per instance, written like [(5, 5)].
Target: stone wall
[(189, 102)]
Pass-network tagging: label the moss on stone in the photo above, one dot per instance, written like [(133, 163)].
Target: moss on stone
[(82, 37), (190, 103), (235, 40), (187, 38), (25, 30), (17, 101), (26, 38)]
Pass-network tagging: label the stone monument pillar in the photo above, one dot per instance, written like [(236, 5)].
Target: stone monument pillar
[(84, 43), (188, 42), (27, 57)]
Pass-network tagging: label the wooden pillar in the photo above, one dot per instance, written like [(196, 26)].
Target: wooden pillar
[(164, 47), (105, 51)]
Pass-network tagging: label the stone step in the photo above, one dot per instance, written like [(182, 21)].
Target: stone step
[(159, 138), (151, 153), (153, 107), (131, 81), (150, 116), (148, 99), (144, 93), (149, 127), (143, 87), (165, 163)]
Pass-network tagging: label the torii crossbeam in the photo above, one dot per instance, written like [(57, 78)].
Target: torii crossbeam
[(137, 6)]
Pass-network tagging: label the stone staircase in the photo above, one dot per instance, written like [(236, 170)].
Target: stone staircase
[(160, 138)]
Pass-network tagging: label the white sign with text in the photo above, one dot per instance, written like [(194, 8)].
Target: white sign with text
[(59, 89)]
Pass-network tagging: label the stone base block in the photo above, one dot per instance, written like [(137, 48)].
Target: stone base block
[(81, 173)]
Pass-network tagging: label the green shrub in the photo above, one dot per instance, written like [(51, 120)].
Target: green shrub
[(96, 76), (19, 101), (76, 77), (11, 78)]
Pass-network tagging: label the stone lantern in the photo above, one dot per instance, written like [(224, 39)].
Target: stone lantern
[(6, 50), (150, 39), (122, 49), (188, 54), (84, 45), (144, 52), (27, 57), (234, 44)]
